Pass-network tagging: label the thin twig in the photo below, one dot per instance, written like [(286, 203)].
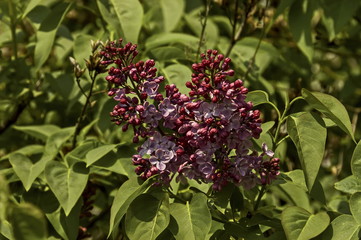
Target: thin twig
[(204, 25), (12, 13), (251, 62)]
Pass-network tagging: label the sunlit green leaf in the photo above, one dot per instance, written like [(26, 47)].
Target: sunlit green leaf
[(331, 107), (308, 133), (97, 153), (355, 203), (23, 168), (343, 227), (67, 183), (161, 39), (172, 12), (350, 185), (47, 32), (178, 74), (299, 224), (193, 219), (130, 15), (257, 97), (147, 217)]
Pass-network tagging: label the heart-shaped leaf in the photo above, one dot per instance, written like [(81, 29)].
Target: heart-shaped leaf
[(299, 224), (66, 183)]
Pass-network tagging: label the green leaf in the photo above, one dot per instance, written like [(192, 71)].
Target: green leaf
[(6, 230), (356, 161), (95, 154), (193, 219), (241, 230), (130, 15), (4, 196), (343, 227), (299, 20), (178, 74), (82, 48), (23, 168), (67, 183), (161, 39), (147, 217), (349, 185), (31, 5), (123, 198), (337, 14), (355, 203), (41, 132), (167, 53), (331, 107), (299, 224), (308, 133), (28, 222), (47, 32), (212, 34), (172, 12), (257, 97)]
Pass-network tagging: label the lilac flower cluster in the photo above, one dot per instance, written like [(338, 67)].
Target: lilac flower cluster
[(205, 135)]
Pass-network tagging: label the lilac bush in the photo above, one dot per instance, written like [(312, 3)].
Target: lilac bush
[(203, 135)]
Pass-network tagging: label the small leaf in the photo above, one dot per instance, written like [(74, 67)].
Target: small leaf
[(193, 219), (257, 97), (349, 185), (41, 132), (95, 154), (147, 217), (355, 203), (308, 133), (343, 227), (47, 32), (130, 15), (299, 224), (356, 161), (23, 167), (331, 107), (123, 198), (172, 12), (66, 183), (28, 222)]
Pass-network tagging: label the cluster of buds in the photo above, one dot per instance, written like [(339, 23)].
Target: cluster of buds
[(205, 135)]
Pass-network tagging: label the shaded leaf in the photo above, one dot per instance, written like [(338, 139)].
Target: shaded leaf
[(343, 227), (28, 222), (331, 107), (355, 203), (123, 198), (41, 132), (67, 183), (130, 15), (299, 224), (193, 219), (308, 133), (161, 39), (178, 74), (356, 161), (147, 217)]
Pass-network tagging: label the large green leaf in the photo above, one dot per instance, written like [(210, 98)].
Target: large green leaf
[(337, 14), (147, 217), (299, 20), (41, 132), (123, 198), (67, 183), (172, 12), (308, 133), (355, 203), (28, 222), (193, 219), (178, 74), (95, 154), (349, 185), (331, 107), (356, 161), (343, 227), (47, 32), (130, 15), (299, 224)]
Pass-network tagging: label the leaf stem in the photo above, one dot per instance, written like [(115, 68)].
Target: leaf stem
[(204, 25), (82, 115), (260, 195)]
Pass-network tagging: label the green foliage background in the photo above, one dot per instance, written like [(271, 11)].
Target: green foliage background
[(301, 60)]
